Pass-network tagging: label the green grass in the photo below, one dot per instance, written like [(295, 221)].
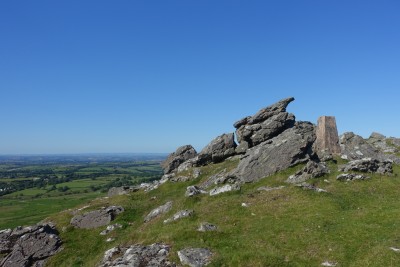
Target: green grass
[(354, 224)]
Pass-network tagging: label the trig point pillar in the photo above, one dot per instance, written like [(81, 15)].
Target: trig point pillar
[(327, 136)]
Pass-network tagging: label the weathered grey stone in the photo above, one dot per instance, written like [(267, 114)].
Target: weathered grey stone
[(96, 218), (383, 144), (218, 150), (175, 159), (193, 191), (327, 138), (122, 190), (207, 227), (29, 246), (369, 165), (355, 147), (224, 188), (195, 257), (311, 170), (187, 165), (351, 177), (291, 147), (111, 228), (158, 211), (196, 173), (155, 255), (179, 215)]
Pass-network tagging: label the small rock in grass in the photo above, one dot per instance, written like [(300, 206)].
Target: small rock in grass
[(195, 257), (329, 264), (207, 227)]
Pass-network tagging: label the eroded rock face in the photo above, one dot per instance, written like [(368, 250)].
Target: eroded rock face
[(29, 246), (327, 138), (217, 150), (291, 147), (311, 170), (264, 125), (96, 218), (175, 159), (369, 165), (158, 211), (138, 256), (195, 257)]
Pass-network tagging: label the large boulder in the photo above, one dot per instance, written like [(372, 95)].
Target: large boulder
[(355, 147), (195, 257), (264, 125), (218, 150), (291, 147), (175, 159), (96, 218), (137, 255), (29, 246)]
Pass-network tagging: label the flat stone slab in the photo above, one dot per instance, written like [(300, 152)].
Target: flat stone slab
[(207, 227), (96, 218), (179, 215), (158, 211)]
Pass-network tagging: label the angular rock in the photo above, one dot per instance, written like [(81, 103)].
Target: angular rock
[(383, 144), (193, 191), (223, 189), (179, 215), (158, 211), (311, 170), (327, 138), (96, 218), (122, 190), (264, 125), (138, 256), (217, 150), (291, 147), (369, 165), (175, 159), (351, 177), (207, 227), (29, 246), (195, 257), (187, 165)]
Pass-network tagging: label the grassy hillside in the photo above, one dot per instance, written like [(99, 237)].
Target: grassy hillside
[(354, 224)]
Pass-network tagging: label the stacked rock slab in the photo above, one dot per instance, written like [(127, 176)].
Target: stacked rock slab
[(217, 150), (265, 124), (327, 141)]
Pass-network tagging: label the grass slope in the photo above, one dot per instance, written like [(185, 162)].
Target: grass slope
[(354, 224)]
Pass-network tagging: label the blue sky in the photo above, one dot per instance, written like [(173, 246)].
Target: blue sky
[(148, 76)]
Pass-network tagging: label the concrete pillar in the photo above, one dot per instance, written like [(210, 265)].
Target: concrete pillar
[(327, 136)]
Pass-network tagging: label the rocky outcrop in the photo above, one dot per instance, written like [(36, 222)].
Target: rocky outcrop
[(175, 159), (368, 165), (291, 147), (158, 211), (195, 257), (137, 255), (217, 150), (96, 218), (327, 138), (264, 125), (179, 215), (122, 190), (29, 246), (355, 147), (311, 170)]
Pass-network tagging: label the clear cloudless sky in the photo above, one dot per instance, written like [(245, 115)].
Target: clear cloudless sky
[(83, 76)]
